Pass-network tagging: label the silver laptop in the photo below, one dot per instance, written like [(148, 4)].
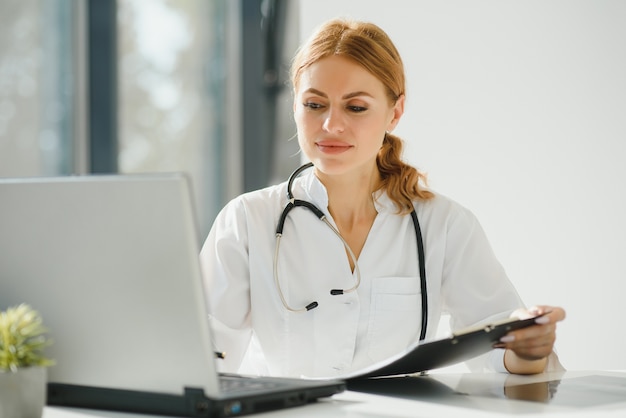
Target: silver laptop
[(111, 263)]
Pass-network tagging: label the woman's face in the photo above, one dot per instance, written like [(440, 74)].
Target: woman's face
[(342, 112)]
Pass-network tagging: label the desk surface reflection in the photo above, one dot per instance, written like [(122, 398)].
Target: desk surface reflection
[(537, 392)]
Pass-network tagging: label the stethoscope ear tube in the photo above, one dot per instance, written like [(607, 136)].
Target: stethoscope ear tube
[(422, 265), (292, 204), (295, 202), (281, 220), (293, 176)]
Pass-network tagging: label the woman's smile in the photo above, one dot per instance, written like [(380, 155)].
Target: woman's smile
[(333, 147)]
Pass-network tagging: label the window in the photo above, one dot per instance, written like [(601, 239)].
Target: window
[(171, 89), (169, 103), (37, 117)]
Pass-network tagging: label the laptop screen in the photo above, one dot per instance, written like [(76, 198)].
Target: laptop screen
[(111, 263)]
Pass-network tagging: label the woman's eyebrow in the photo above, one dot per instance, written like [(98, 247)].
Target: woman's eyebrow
[(356, 94), (316, 92), (345, 96)]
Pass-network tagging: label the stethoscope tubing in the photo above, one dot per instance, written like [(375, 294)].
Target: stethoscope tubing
[(292, 203)]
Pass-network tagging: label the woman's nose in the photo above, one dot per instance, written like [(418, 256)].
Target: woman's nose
[(334, 121)]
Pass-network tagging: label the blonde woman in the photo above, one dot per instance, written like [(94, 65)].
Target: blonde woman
[(342, 285)]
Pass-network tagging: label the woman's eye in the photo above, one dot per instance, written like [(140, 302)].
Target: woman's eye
[(312, 105), (357, 109)]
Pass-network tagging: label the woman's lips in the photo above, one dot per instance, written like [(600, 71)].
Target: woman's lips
[(333, 147)]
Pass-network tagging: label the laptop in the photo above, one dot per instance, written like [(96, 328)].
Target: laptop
[(111, 264)]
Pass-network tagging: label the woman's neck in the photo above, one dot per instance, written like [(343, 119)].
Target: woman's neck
[(351, 206), (350, 199)]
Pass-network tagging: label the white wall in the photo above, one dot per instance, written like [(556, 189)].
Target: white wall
[(517, 109)]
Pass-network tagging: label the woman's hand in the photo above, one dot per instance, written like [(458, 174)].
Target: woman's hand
[(527, 349)]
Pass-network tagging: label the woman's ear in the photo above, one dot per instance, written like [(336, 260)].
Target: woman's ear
[(398, 111)]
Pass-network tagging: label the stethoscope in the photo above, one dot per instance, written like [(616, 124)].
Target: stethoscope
[(292, 203)]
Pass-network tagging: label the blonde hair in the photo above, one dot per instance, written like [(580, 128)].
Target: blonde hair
[(369, 46)]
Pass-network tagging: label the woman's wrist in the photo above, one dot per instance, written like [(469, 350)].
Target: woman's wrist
[(516, 365)]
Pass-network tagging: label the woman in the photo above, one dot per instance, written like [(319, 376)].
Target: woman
[(349, 94)]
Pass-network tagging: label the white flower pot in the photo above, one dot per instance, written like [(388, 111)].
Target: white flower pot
[(23, 393)]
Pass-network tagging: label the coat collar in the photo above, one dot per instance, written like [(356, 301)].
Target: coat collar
[(317, 194)]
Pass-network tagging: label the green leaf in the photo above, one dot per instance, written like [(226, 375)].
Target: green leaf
[(22, 339)]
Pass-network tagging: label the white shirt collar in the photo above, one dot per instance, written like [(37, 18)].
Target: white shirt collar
[(318, 195)]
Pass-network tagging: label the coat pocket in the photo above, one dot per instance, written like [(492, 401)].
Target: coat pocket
[(395, 316)]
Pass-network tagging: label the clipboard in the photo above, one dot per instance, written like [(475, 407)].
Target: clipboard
[(460, 346)]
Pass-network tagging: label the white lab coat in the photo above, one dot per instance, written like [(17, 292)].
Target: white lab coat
[(347, 332)]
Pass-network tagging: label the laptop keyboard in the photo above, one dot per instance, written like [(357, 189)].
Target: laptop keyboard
[(234, 384)]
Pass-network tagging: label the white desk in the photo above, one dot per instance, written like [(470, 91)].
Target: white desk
[(578, 394)]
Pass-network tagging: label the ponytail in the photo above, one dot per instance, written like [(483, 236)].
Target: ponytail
[(400, 180)]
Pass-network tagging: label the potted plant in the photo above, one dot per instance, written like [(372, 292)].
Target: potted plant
[(23, 364)]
